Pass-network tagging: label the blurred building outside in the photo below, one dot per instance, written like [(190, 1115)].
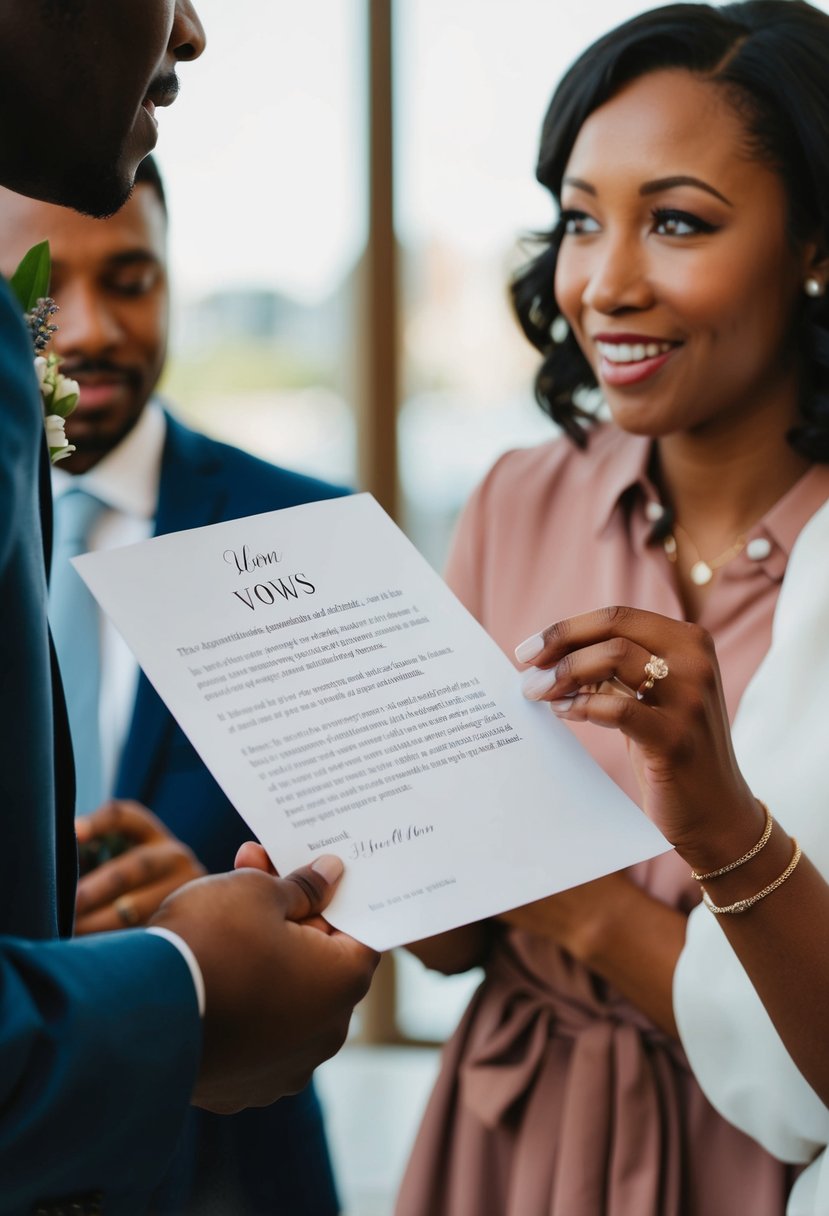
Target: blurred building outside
[(256, 368)]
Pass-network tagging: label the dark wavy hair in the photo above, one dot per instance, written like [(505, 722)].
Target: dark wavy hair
[(772, 59)]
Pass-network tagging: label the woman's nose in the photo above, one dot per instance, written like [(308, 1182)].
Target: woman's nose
[(618, 279)]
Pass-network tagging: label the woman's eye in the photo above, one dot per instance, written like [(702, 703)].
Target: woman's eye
[(679, 223), (577, 223)]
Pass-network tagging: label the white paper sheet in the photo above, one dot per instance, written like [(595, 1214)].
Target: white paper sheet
[(346, 702)]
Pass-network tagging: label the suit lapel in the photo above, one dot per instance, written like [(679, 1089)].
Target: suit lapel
[(46, 504), (65, 843), (191, 494)]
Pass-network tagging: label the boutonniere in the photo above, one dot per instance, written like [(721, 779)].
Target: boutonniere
[(30, 285)]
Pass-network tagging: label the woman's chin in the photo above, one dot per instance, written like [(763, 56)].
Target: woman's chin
[(639, 420)]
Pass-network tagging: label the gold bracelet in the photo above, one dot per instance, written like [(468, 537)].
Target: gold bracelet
[(743, 905), (741, 861)]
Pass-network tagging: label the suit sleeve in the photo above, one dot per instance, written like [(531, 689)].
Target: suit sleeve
[(99, 1047), (99, 1038)]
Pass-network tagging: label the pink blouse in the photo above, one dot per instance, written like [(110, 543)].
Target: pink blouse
[(556, 1096)]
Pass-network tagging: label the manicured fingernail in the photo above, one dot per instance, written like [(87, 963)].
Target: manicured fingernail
[(529, 648), (329, 866), (536, 683), (564, 706)]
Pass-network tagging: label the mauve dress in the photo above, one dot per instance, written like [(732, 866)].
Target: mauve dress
[(557, 1097)]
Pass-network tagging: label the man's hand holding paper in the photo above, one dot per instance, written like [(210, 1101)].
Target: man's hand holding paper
[(259, 1046)]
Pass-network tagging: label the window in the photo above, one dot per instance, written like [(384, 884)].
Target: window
[(264, 160)]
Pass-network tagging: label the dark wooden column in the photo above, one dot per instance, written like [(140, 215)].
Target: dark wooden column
[(378, 392)]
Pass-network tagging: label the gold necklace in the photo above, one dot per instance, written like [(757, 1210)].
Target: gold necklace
[(701, 571)]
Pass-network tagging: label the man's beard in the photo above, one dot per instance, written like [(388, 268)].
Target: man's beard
[(94, 190)]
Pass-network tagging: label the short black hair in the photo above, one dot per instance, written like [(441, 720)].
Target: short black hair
[(771, 57), (147, 174)]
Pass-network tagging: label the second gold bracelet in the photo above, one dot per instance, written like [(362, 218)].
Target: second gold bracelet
[(743, 905)]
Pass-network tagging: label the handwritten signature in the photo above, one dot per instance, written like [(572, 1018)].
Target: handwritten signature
[(367, 848)]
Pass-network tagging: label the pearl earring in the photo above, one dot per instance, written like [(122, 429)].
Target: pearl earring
[(813, 287), (559, 330)]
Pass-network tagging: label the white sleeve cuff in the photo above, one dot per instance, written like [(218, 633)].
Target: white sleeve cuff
[(189, 958)]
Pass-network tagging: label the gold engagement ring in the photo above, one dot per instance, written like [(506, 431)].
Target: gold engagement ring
[(655, 669)]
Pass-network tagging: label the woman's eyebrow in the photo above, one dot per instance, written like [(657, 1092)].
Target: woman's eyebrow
[(579, 184), (654, 187), (683, 179)]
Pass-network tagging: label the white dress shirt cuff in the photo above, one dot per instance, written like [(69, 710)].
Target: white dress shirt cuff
[(189, 958)]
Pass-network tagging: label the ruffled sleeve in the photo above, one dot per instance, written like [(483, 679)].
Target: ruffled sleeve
[(780, 740)]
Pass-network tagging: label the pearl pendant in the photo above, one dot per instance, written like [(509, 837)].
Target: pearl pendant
[(701, 573)]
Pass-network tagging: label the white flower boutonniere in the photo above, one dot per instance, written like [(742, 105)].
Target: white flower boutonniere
[(30, 284), (60, 396)]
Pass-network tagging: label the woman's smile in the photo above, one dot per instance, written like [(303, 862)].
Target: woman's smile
[(630, 358)]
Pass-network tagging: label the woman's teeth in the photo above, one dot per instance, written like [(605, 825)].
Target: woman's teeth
[(624, 352)]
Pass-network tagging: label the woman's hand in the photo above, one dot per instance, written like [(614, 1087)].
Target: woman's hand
[(127, 890), (680, 745), (590, 667)]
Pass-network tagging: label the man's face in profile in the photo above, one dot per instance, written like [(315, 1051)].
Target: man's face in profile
[(84, 78)]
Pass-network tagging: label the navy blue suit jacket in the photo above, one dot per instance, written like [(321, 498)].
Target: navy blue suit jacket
[(100, 1038), (277, 1156)]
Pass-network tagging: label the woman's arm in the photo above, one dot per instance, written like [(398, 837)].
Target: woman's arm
[(458, 950), (611, 926), (783, 944), (692, 788), (621, 933)]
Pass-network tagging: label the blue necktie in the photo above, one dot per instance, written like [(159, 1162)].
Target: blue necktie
[(73, 615)]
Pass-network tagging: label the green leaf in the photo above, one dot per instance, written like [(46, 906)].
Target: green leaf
[(30, 282), (66, 405)]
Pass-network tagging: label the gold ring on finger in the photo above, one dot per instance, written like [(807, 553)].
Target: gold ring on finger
[(127, 911), (655, 669)]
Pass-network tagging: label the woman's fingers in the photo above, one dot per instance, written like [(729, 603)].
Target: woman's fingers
[(635, 719), (655, 680), (617, 661), (667, 663), (652, 678), (653, 633)]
